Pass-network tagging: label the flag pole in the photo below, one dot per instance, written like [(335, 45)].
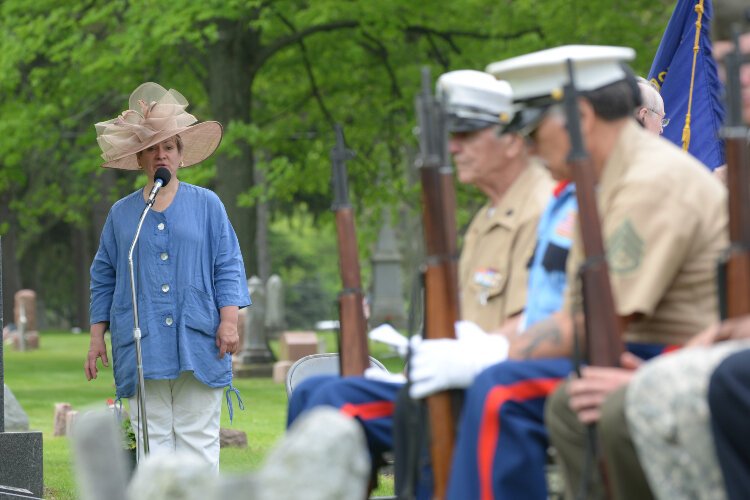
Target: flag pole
[(696, 49)]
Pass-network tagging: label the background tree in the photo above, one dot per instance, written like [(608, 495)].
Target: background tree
[(277, 74)]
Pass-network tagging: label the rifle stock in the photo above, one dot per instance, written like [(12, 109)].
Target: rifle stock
[(735, 271), (441, 276), (353, 352), (604, 343)]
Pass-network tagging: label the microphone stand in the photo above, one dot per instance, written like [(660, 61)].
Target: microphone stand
[(141, 389)]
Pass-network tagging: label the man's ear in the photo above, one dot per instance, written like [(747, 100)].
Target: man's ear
[(515, 145), (588, 117)]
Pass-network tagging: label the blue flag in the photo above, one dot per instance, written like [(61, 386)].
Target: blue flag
[(671, 72)]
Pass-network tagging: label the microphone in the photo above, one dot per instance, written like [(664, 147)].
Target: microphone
[(161, 178)]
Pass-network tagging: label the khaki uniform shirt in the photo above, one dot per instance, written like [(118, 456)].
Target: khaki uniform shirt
[(493, 270), (664, 224)]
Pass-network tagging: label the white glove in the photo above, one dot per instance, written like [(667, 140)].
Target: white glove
[(374, 373), (439, 364)]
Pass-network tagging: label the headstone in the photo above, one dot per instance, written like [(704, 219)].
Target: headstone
[(387, 304), (275, 310), (280, 369), (100, 462), (70, 420), (297, 345), (256, 359), (15, 418), (324, 454), (241, 319), (174, 476), (24, 312), (21, 462), (25, 304), (29, 341), (21, 459), (322, 457), (232, 438), (60, 418)]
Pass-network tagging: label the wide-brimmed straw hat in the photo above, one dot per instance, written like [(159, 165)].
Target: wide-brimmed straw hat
[(154, 115)]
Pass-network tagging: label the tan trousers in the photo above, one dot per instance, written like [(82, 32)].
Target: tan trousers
[(625, 478)]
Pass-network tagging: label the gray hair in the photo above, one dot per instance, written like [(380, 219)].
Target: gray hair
[(650, 95)]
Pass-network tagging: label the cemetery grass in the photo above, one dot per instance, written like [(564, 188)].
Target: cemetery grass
[(54, 373)]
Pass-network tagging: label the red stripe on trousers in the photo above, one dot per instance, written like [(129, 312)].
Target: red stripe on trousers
[(369, 411), (489, 430)]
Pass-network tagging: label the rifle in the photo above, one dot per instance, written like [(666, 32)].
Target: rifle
[(441, 277), (734, 270), (604, 343), (353, 353)]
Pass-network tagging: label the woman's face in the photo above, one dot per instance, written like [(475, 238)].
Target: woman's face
[(164, 154)]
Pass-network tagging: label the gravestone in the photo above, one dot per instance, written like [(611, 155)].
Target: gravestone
[(24, 312), (256, 359), (241, 319), (99, 459), (322, 457), (15, 418), (59, 427), (232, 438), (387, 284), (275, 311), (297, 345), (21, 473), (324, 454)]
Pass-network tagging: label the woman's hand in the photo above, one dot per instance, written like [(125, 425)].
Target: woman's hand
[(227, 337), (97, 349)]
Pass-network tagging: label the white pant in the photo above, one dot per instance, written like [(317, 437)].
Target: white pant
[(183, 415)]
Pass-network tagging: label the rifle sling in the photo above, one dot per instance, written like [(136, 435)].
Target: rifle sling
[(437, 260), (350, 291)]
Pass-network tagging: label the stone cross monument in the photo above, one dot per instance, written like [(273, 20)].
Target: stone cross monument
[(256, 359), (387, 284)]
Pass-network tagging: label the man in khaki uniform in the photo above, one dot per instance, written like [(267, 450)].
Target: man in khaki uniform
[(662, 272), (500, 239), (667, 406), (498, 245), (493, 270)]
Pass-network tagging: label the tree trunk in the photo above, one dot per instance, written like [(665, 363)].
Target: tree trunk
[(230, 66), (81, 262), (261, 241), (11, 277)]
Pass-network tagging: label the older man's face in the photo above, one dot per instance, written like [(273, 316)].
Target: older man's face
[(721, 49), (478, 155), (652, 119)]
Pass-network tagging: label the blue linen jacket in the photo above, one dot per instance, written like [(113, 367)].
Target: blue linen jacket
[(187, 265)]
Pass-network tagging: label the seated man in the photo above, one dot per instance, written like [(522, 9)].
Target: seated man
[(493, 270), (652, 262), (651, 112), (667, 407)]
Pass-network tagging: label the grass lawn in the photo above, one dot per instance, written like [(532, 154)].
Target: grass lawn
[(54, 373)]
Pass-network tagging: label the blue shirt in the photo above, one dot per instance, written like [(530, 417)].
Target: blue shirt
[(187, 266), (547, 279)]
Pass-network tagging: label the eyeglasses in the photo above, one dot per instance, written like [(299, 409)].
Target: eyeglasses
[(664, 121)]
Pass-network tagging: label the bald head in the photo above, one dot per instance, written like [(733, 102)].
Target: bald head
[(651, 112)]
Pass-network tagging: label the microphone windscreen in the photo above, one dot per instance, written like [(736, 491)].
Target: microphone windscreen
[(164, 174)]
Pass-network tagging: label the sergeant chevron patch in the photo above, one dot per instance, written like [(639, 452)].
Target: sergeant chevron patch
[(624, 249)]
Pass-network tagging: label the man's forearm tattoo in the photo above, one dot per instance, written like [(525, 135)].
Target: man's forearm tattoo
[(546, 332)]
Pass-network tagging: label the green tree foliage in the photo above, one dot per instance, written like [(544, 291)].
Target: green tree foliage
[(277, 73)]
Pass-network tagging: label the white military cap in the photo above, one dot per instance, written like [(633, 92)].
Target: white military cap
[(541, 75), (474, 100)]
